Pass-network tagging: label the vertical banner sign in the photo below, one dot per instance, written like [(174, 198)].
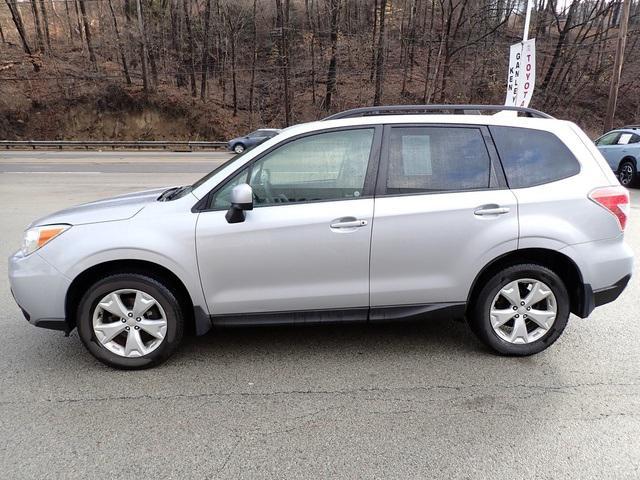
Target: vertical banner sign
[(522, 73)]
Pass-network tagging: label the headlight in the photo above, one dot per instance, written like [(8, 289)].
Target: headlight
[(37, 237)]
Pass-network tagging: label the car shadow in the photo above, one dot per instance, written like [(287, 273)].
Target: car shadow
[(433, 336)]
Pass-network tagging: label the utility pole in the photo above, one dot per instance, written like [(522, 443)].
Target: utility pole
[(617, 66), (527, 20)]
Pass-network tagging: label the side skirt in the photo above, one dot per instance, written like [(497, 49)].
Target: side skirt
[(350, 315)]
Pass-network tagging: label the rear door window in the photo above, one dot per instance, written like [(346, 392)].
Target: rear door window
[(532, 157), (436, 159)]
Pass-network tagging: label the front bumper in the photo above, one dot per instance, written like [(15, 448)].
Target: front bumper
[(40, 290)]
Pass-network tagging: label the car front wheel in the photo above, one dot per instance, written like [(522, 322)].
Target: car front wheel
[(239, 148), (130, 321), (521, 310)]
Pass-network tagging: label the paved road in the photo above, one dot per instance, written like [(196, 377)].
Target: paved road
[(394, 401), (110, 162)]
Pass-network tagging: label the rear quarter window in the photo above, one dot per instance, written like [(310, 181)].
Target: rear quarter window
[(533, 157)]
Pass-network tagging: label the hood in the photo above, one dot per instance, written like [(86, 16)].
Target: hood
[(121, 207)]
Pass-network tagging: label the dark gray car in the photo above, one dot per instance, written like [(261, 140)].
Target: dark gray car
[(240, 144)]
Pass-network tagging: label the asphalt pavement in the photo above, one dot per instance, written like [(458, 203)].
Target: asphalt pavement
[(406, 400)]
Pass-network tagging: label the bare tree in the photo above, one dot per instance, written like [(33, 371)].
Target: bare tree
[(87, 33), (379, 75), (334, 15), (123, 57), (205, 50)]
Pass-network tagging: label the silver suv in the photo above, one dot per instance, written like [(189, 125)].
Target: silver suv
[(512, 220)]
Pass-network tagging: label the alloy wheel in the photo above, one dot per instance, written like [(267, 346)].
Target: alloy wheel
[(523, 311), (626, 174), (130, 323)]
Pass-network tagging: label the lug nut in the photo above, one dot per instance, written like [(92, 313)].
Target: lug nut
[(528, 308), (127, 328), (524, 316), (516, 315), (131, 314), (138, 319), (137, 327), (521, 303), (515, 308), (123, 320)]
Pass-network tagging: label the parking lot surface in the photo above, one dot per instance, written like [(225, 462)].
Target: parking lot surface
[(406, 400)]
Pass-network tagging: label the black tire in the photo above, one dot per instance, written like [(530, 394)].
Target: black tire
[(163, 295), (627, 173), (480, 320), (239, 148)]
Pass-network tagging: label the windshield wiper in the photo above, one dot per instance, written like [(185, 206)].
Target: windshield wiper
[(167, 194)]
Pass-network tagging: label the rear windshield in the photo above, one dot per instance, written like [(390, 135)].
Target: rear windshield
[(533, 157)]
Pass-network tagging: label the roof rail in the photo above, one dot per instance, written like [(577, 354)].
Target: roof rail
[(418, 109)]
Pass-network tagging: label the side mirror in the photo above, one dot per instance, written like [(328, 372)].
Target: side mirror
[(241, 200)]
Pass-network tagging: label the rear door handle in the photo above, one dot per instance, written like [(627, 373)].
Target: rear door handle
[(491, 210), (348, 223)]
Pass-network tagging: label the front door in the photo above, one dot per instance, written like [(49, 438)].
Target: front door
[(305, 245), (442, 212)]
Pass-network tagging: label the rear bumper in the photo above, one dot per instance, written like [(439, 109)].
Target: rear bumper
[(595, 298), (609, 294)]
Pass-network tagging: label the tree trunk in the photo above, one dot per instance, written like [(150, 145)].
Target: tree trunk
[(192, 48), (253, 63), (17, 21), (123, 58), (282, 23), (380, 56), (205, 51), (66, 7), (558, 50), (80, 29), (234, 75), (373, 41), (45, 21), (334, 6), (87, 33), (143, 49), (38, 25)]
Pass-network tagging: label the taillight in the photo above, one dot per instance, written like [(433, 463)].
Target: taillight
[(615, 200)]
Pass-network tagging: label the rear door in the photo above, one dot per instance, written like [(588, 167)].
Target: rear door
[(442, 211)]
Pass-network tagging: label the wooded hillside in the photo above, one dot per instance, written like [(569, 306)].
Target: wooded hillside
[(211, 68)]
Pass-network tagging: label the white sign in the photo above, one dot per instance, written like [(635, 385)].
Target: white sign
[(522, 73)]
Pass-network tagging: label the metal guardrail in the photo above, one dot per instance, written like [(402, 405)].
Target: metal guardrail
[(112, 144)]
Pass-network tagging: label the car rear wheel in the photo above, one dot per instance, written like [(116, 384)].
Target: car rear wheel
[(521, 310), (239, 148), (130, 321), (626, 173)]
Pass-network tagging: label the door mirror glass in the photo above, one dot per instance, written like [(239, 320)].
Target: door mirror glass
[(241, 200)]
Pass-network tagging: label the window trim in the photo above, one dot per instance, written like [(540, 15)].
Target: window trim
[(494, 162), (368, 191), (491, 132)]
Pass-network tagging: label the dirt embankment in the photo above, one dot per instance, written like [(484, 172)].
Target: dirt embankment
[(113, 113)]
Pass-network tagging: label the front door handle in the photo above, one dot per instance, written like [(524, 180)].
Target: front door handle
[(491, 210), (348, 223)]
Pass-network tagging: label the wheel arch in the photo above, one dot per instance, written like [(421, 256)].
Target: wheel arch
[(628, 158), (194, 316), (579, 294)]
